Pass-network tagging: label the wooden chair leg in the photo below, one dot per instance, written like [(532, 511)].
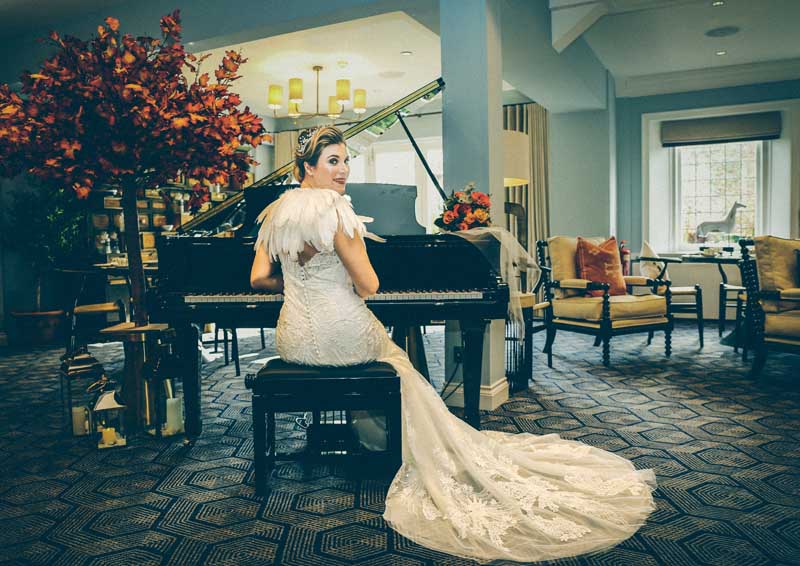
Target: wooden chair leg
[(597, 341), (722, 303), (738, 326), (235, 350), (548, 345), (225, 344), (263, 339), (699, 307), (650, 337), (606, 350), (216, 338), (668, 341)]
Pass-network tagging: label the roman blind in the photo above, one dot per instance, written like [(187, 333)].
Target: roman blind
[(722, 129)]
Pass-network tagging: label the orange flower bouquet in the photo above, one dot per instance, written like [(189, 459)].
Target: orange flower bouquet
[(464, 210)]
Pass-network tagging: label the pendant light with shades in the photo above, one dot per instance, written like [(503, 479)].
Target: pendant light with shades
[(336, 102)]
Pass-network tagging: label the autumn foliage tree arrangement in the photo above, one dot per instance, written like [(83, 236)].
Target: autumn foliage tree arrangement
[(464, 210), (119, 111)]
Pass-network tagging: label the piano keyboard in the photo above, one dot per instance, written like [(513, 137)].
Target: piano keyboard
[(233, 298), (250, 298)]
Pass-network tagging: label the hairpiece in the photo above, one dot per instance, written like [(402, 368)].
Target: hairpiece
[(303, 139)]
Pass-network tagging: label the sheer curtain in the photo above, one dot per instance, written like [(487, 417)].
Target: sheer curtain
[(538, 201)]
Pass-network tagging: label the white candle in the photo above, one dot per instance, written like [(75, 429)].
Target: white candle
[(174, 415), (80, 426), (109, 436)]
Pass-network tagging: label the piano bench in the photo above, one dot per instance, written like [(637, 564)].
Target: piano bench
[(283, 387)]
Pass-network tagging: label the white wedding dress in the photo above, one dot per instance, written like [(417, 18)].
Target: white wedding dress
[(483, 495)]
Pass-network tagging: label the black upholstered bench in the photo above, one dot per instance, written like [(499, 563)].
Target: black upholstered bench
[(283, 387)]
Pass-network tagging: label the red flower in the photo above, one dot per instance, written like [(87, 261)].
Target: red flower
[(463, 226), (449, 216), (481, 199)]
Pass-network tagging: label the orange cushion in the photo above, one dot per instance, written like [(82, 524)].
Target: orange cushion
[(602, 265)]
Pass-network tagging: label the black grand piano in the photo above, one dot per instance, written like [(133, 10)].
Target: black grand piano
[(423, 278)]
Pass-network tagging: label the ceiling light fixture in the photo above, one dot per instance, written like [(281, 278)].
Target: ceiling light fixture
[(717, 3), (407, 53), (720, 53), (335, 103)]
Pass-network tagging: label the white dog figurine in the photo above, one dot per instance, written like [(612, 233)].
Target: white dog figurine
[(725, 225)]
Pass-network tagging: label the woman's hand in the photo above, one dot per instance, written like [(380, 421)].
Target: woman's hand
[(353, 254), (264, 274)]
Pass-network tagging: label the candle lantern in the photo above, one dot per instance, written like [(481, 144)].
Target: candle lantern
[(163, 406), (76, 373), (109, 419)]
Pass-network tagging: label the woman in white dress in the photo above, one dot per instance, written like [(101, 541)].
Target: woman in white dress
[(483, 495)]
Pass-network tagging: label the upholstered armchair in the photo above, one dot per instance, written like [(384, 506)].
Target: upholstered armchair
[(603, 315), (772, 282)]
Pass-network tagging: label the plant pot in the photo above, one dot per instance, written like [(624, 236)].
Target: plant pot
[(36, 328)]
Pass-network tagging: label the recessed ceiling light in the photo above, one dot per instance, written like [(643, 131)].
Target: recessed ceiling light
[(723, 31), (407, 53), (718, 3), (720, 53)]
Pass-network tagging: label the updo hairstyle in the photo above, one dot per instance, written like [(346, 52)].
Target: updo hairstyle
[(310, 148)]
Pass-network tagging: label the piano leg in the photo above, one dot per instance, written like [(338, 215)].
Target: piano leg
[(472, 331), (187, 336), (416, 351), (409, 338)]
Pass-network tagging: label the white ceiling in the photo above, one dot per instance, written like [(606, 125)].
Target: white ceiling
[(667, 36), (373, 61), (650, 46)]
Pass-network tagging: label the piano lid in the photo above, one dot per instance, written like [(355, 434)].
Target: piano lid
[(359, 137)]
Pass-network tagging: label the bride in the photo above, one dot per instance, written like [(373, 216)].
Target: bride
[(480, 495)]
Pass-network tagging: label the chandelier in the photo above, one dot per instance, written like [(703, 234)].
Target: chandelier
[(335, 103)]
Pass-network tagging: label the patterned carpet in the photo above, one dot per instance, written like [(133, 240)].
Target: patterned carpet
[(726, 450)]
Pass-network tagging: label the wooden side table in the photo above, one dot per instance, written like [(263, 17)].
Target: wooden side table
[(137, 340)]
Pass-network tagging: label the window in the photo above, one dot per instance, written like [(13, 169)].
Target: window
[(708, 181), (396, 162)]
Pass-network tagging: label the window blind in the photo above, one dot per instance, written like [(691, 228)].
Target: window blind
[(722, 129)]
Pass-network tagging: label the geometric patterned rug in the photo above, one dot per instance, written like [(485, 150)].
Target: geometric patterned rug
[(725, 448)]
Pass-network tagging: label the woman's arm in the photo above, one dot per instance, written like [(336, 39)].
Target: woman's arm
[(262, 274), (353, 254)]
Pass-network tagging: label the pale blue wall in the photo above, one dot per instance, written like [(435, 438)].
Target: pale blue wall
[(629, 138), (580, 162)]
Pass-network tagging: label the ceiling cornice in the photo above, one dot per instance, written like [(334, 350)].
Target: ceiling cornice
[(704, 79)]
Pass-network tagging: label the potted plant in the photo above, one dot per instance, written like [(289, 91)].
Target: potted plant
[(48, 229), (131, 113)]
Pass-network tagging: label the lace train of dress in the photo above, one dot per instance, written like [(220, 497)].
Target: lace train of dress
[(481, 495)]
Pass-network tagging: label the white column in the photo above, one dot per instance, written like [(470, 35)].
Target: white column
[(472, 129)]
